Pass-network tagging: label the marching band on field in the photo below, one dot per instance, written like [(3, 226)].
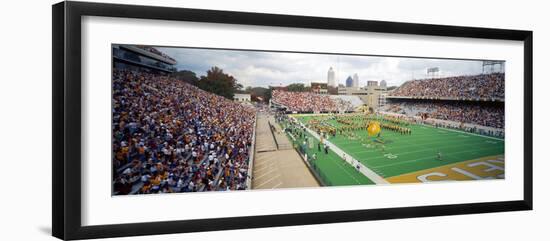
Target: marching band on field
[(354, 123)]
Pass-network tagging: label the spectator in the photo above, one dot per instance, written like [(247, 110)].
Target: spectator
[(170, 136), (474, 87), (479, 114), (309, 102)]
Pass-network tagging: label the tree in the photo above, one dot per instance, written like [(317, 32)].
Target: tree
[(297, 87), (220, 83), (268, 94), (260, 94), (187, 76)]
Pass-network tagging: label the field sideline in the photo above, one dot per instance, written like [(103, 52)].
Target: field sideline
[(415, 153)]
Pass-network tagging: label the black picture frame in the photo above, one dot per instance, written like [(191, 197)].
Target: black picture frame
[(66, 127)]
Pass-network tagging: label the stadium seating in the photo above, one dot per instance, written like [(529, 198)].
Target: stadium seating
[(475, 99), (474, 87), (310, 102), (484, 115), (170, 136)]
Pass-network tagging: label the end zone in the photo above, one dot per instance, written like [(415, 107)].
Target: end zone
[(485, 168)]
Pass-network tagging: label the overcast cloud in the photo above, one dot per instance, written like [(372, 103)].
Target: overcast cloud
[(256, 68)]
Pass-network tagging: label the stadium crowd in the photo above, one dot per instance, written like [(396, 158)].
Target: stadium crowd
[(170, 136), (474, 87), (309, 102), (459, 112)]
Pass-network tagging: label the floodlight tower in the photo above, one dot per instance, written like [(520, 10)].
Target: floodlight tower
[(433, 72)]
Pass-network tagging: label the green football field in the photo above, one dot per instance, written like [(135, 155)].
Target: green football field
[(400, 154)]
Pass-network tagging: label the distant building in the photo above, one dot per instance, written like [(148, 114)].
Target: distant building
[(241, 97), (142, 58), (351, 91), (349, 82), (355, 82), (383, 84), (331, 78), (376, 94), (372, 94), (319, 88), (372, 83)]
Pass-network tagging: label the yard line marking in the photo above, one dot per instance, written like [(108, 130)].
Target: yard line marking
[(373, 176), (447, 154), (413, 145), (397, 163), (468, 143), (473, 134), (401, 153), (349, 174)]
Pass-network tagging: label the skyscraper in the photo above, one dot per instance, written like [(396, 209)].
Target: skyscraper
[(383, 84), (355, 82), (331, 78), (349, 82)]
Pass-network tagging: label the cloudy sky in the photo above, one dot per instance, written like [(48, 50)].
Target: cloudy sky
[(256, 68)]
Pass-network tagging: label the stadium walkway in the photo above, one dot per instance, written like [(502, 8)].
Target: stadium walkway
[(264, 140), (277, 167)]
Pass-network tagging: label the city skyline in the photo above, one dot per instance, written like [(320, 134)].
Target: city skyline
[(263, 69)]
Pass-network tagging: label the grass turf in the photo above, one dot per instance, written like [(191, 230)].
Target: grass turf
[(409, 153), (330, 167)]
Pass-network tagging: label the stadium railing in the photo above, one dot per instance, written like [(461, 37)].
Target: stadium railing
[(271, 128), (251, 156)]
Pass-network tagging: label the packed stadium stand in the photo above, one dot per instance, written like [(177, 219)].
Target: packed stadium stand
[(477, 99), (465, 112), (308, 102), (474, 87), (170, 136)]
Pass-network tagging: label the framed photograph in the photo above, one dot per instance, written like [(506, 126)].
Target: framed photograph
[(171, 120)]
